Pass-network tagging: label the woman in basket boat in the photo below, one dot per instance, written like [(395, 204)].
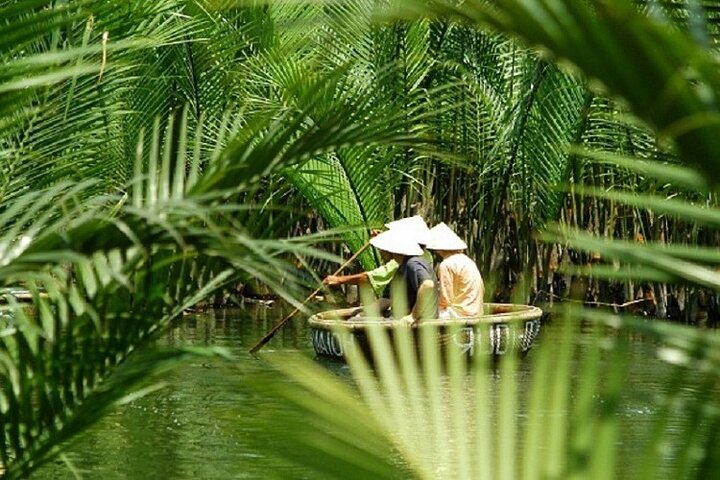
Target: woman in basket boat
[(461, 285)]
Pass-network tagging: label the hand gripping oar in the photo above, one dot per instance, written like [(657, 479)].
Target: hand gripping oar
[(285, 320)]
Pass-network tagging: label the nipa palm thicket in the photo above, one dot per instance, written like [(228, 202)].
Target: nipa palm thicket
[(511, 115), (497, 119)]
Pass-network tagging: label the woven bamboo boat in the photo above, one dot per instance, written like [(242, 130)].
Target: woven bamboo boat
[(504, 328)]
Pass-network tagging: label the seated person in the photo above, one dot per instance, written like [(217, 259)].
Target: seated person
[(379, 278), (461, 285), (412, 288)]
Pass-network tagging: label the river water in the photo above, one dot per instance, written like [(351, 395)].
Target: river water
[(207, 423)]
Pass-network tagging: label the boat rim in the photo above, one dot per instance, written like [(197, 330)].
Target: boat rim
[(515, 313)]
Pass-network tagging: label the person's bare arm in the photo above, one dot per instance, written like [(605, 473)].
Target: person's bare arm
[(355, 279), (424, 299)]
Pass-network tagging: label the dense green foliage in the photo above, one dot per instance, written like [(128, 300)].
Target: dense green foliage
[(661, 69), (136, 185), (153, 151)]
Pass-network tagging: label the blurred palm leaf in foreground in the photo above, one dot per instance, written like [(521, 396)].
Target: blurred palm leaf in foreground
[(106, 273), (429, 416)]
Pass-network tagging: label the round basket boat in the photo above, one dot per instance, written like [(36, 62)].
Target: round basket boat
[(504, 328)]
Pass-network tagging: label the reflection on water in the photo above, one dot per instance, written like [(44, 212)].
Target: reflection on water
[(208, 423)]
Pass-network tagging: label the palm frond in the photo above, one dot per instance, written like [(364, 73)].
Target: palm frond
[(445, 420), (113, 272), (594, 36)]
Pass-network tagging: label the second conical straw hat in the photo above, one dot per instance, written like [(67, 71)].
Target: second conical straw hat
[(441, 237), (414, 227)]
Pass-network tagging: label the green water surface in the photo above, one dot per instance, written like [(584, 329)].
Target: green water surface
[(209, 424)]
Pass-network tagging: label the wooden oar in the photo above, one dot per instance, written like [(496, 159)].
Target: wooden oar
[(285, 320)]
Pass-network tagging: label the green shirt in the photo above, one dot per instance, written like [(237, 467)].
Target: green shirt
[(381, 276)]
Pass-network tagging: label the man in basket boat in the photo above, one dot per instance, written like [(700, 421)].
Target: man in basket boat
[(412, 288), (379, 278), (461, 285)]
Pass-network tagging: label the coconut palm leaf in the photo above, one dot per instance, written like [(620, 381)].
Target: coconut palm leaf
[(327, 182), (676, 175), (112, 275), (445, 418), (73, 116), (594, 36), (546, 118)]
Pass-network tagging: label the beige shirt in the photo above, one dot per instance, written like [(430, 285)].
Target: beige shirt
[(461, 286)]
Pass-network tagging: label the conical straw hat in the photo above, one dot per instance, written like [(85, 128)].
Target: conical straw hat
[(441, 237), (414, 227), (396, 241)]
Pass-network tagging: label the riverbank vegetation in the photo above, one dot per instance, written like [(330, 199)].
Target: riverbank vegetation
[(156, 153)]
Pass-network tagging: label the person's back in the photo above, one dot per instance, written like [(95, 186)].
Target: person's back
[(461, 286), (415, 283)]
